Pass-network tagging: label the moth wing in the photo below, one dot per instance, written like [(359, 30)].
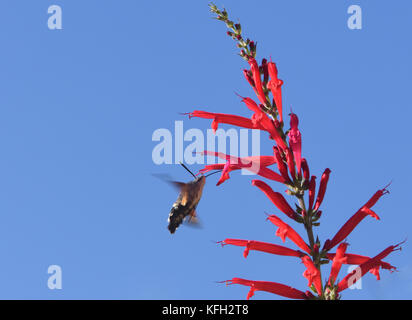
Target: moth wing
[(178, 185), (166, 178)]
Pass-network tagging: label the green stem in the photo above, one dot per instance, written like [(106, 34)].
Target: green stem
[(309, 231)]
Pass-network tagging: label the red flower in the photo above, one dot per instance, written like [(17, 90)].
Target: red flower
[(360, 271), (225, 173), (295, 140), (261, 123), (312, 274), (338, 260), (281, 164), (291, 163), (305, 169), (262, 246), (275, 86), (255, 164), (322, 188), (378, 194), (273, 287), (348, 227), (226, 118), (285, 230), (354, 259), (263, 161), (277, 199), (358, 259), (312, 190), (271, 175), (260, 118), (265, 71), (254, 68), (249, 78)]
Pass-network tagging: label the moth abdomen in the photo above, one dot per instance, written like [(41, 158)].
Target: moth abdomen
[(177, 214)]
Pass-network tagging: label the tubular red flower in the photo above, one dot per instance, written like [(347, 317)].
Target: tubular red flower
[(275, 86), (312, 190), (255, 164), (263, 247), (284, 230), (338, 260), (277, 199), (260, 118), (254, 68), (295, 140), (355, 259), (249, 78), (360, 271), (252, 105), (259, 121), (261, 171), (271, 175), (322, 188), (226, 118), (305, 169), (312, 274), (378, 194), (274, 135), (225, 173), (281, 164), (358, 259), (348, 227), (264, 66), (262, 161), (291, 163), (263, 124), (272, 287)]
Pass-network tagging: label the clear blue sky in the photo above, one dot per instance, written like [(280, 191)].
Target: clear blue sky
[(78, 107)]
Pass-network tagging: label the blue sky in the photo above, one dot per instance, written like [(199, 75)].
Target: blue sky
[(78, 108)]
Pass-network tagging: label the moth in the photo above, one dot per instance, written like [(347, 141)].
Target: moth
[(187, 201)]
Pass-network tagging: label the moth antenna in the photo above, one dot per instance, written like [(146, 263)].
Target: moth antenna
[(187, 170)]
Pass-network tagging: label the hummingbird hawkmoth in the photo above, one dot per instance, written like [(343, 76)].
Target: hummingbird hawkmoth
[(187, 201)]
